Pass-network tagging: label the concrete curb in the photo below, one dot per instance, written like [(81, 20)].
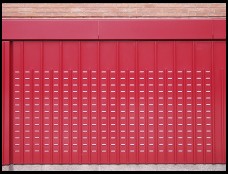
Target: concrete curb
[(140, 167)]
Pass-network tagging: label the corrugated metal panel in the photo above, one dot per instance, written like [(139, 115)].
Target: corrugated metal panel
[(118, 102), (5, 103)]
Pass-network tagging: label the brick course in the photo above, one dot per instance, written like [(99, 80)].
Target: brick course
[(112, 10)]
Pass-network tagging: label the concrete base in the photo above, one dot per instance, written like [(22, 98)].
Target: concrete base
[(5, 168), (140, 167)]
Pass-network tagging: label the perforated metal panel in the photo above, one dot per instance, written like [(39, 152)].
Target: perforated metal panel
[(118, 102)]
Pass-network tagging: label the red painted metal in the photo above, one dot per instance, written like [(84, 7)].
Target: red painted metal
[(157, 115), (115, 102), (5, 103), (163, 29), (140, 29), (39, 29)]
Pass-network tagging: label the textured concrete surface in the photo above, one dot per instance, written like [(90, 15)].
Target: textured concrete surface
[(141, 167), (5, 168)]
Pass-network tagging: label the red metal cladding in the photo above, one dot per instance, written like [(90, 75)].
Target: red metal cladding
[(5, 103), (157, 29), (38, 29), (118, 102), (106, 29), (136, 92)]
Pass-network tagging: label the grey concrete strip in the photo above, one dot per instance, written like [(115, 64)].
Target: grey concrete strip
[(26, 168), (219, 167), (164, 167), (140, 167), (5, 168), (191, 167), (71, 168)]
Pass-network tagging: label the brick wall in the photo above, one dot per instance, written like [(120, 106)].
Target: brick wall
[(112, 10)]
